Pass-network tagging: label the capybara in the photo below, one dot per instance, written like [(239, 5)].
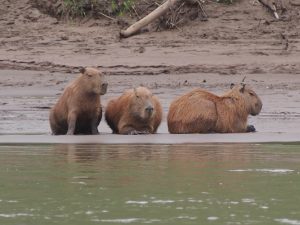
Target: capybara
[(136, 111), (200, 111), (78, 110)]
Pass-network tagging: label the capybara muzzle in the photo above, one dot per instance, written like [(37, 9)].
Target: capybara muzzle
[(104, 88)]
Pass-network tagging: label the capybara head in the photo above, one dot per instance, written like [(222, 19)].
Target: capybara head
[(141, 104), (253, 103), (93, 80)]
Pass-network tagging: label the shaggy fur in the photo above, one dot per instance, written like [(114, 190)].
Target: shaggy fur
[(137, 111), (200, 111), (78, 110)]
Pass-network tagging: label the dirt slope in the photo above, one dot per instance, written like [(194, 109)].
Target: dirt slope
[(240, 38)]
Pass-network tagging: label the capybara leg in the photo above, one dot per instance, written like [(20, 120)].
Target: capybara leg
[(71, 123), (250, 128), (94, 126)]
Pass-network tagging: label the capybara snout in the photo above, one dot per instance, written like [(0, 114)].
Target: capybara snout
[(149, 109), (257, 108), (103, 88)]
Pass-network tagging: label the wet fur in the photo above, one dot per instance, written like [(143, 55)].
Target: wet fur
[(200, 111), (127, 115), (79, 103)]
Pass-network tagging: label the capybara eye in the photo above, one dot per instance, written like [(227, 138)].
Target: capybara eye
[(250, 93)]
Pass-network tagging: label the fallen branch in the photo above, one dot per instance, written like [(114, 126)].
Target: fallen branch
[(270, 4), (136, 27)]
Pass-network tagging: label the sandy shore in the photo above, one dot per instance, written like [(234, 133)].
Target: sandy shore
[(35, 66)]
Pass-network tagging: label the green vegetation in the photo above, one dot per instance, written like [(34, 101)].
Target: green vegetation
[(74, 8), (81, 8), (121, 8), (70, 9), (226, 1)]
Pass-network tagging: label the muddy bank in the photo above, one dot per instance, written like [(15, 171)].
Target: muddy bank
[(239, 38), (39, 55)]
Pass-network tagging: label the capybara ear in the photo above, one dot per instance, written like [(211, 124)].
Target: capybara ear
[(232, 85), (243, 88), (82, 70)]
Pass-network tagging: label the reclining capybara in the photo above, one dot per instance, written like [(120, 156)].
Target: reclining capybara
[(136, 111), (200, 111), (78, 110)]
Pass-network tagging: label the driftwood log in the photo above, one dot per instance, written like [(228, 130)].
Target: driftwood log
[(136, 27)]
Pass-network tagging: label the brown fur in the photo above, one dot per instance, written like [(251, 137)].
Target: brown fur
[(200, 111), (128, 114), (78, 110)]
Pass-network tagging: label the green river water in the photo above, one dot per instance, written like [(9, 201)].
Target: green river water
[(150, 184)]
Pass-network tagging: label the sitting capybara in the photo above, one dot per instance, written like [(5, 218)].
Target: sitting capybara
[(78, 110), (200, 111), (136, 111)]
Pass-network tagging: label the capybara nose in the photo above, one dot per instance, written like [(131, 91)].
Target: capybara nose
[(149, 109), (259, 106), (104, 88)]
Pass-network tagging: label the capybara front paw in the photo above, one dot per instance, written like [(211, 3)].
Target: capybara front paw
[(136, 132), (143, 132), (251, 128), (133, 132)]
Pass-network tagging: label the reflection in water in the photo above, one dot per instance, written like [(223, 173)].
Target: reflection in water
[(157, 184), (85, 153)]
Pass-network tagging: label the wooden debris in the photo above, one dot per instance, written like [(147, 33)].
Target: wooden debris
[(136, 27)]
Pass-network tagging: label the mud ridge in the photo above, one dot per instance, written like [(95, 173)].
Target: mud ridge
[(155, 69)]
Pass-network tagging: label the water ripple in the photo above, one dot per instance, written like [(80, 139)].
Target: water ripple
[(288, 221), (13, 215), (281, 171)]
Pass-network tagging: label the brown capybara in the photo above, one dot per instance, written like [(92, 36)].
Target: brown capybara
[(136, 111), (200, 111), (78, 110)]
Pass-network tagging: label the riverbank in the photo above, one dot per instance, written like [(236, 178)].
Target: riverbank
[(40, 55)]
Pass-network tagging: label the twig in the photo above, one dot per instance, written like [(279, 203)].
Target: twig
[(202, 9), (136, 13), (108, 17)]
